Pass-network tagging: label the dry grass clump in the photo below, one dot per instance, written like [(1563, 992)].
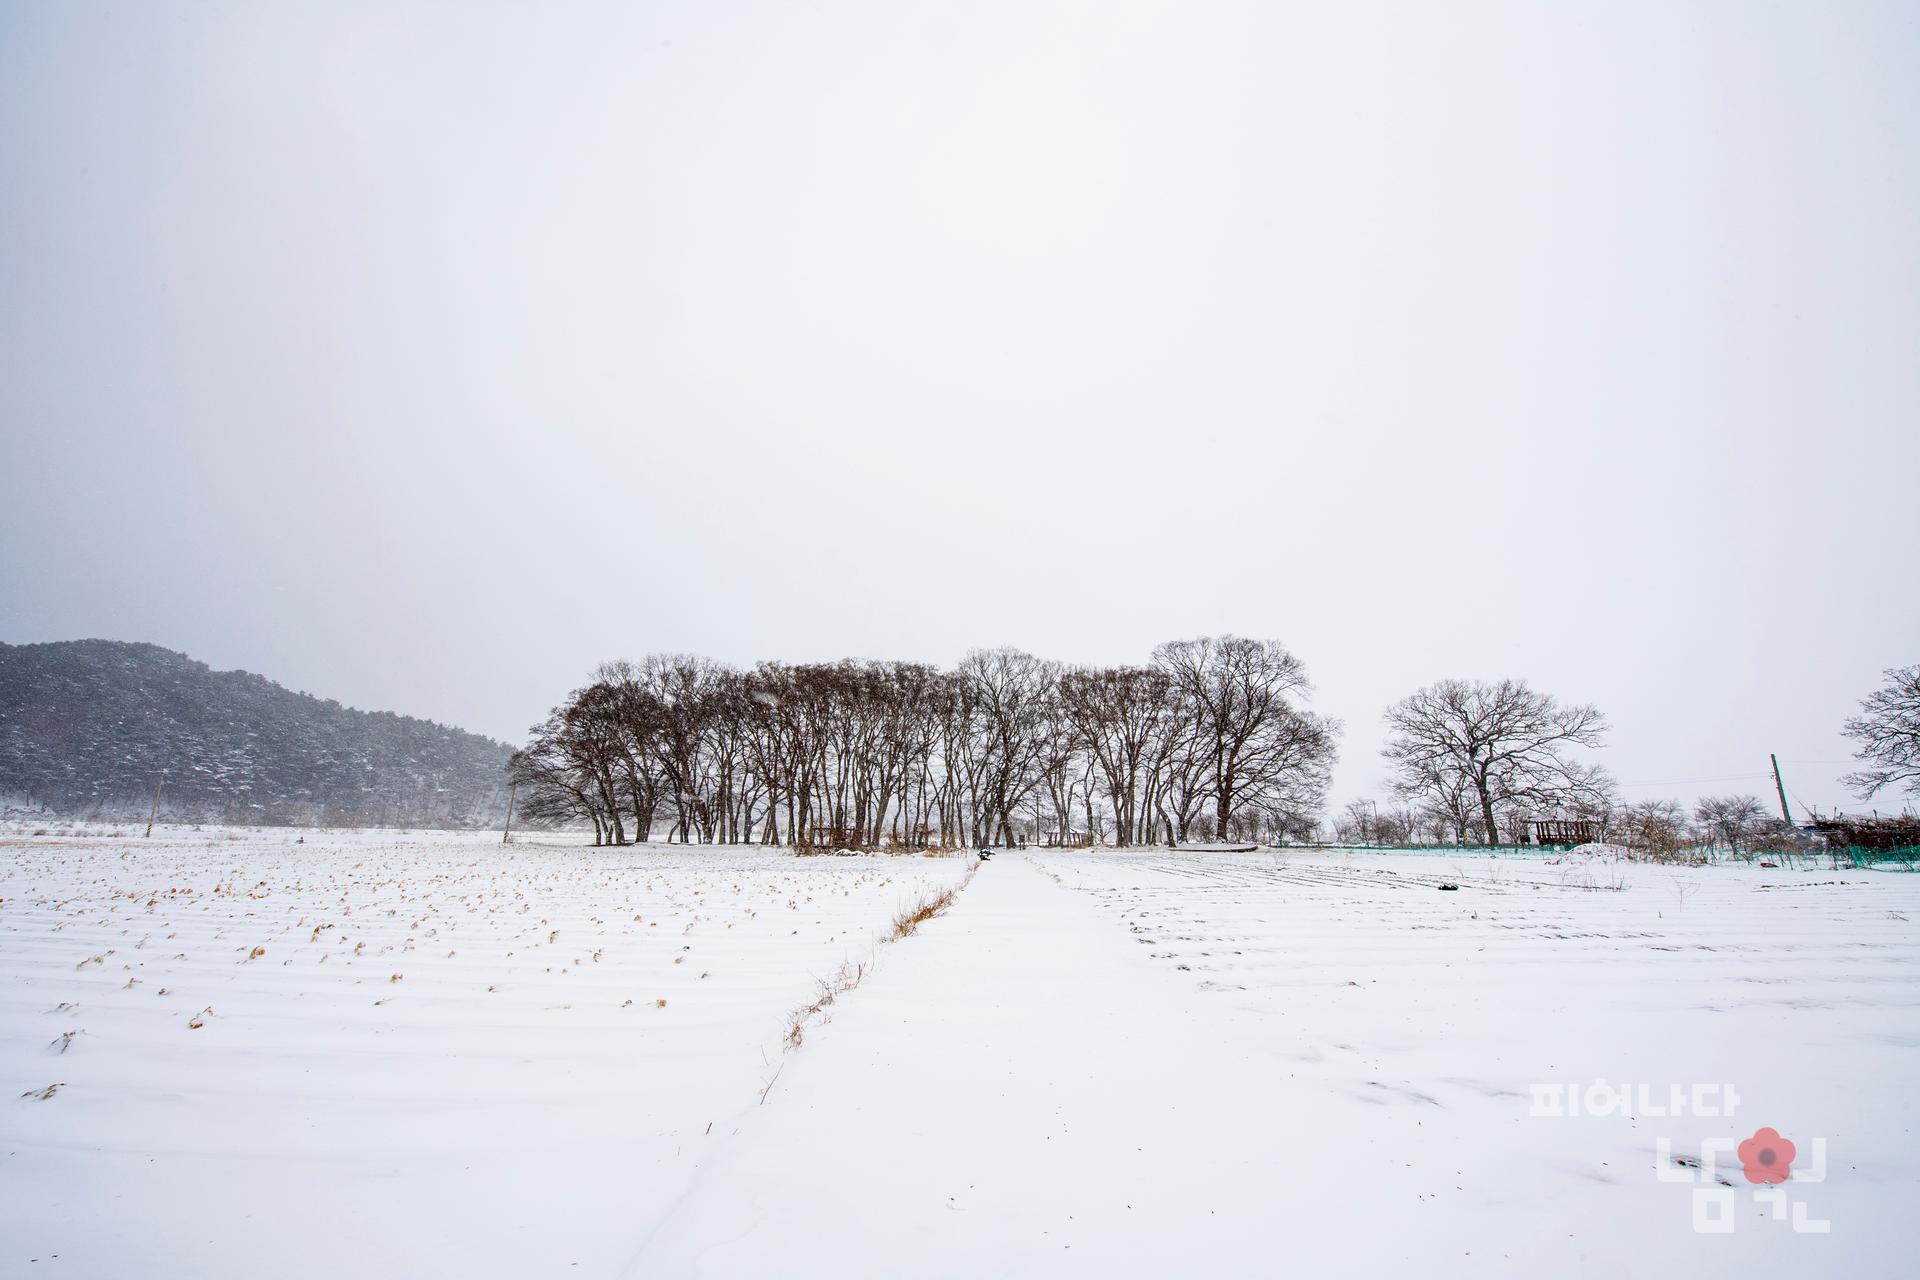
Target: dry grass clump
[(926, 909), (851, 975)]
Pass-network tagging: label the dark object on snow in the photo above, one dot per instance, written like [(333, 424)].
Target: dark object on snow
[(985, 854), (1449, 886)]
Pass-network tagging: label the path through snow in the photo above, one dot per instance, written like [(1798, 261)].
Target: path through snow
[(1143, 1064)]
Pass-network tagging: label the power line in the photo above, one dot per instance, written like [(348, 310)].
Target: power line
[(1676, 782)]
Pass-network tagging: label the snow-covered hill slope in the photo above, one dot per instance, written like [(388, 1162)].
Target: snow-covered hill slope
[(89, 726)]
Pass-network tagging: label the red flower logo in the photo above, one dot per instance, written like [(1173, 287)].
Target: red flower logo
[(1766, 1156)]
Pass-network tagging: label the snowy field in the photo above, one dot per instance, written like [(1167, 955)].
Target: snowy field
[(1094, 1064), (415, 1054)]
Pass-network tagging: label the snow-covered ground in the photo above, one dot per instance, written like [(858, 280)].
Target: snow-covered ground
[(447, 1058), (1099, 1063)]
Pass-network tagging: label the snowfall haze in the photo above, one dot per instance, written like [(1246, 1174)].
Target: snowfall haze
[(423, 357)]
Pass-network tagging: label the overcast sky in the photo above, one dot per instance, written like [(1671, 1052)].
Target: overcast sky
[(425, 356)]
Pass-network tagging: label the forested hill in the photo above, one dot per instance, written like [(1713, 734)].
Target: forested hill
[(89, 726)]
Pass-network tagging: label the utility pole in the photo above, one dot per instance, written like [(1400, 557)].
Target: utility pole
[(506, 836), (1781, 790), (154, 812)]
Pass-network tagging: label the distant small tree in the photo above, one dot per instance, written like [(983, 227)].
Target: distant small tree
[(1727, 819), (1888, 734), (1656, 828), (1775, 835), (1356, 824)]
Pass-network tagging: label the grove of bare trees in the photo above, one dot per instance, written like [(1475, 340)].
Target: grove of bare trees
[(1210, 740)]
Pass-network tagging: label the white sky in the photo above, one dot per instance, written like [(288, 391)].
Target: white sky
[(425, 356)]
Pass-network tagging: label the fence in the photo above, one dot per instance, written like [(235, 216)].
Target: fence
[(1863, 859)]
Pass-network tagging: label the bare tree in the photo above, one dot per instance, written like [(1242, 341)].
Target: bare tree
[(684, 689), (1496, 745), (568, 769), (1014, 704), (1120, 717), (1727, 819), (1656, 828), (1448, 804), (634, 715), (1888, 734), (1356, 823), (1258, 748)]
